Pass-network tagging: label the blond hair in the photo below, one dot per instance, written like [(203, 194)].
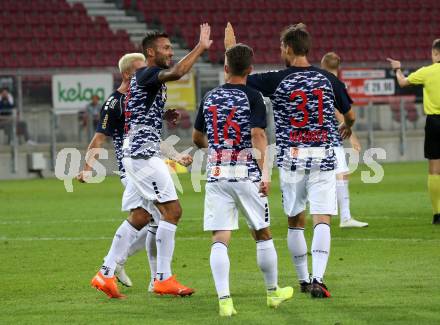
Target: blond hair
[(127, 60), (331, 61)]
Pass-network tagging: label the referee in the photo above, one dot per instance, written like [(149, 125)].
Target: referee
[(429, 77)]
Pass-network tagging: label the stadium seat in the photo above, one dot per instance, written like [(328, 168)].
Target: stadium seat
[(351, 27), (50, 31)]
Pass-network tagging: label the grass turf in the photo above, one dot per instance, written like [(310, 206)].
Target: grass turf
[(52, 243)]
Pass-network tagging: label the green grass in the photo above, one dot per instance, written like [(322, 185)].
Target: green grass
[(52, 243)]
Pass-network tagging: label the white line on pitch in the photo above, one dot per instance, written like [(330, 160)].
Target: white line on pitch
[(207, 239), (44, 222), (111, 220)]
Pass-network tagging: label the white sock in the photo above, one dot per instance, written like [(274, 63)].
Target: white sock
[(267, 260), (165, 249), (320, 250), (296, 242), (343, 200), (139, 243), (150, 244), (219, 261), (125, 234), (136, 245)]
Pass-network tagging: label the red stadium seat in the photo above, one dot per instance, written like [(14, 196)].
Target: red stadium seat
[(79, 9), (127, 4), (363, 30)]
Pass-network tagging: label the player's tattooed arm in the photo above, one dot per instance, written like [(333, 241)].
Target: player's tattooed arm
[(397, 67), (229, 36), (96, 143), (184, 66)]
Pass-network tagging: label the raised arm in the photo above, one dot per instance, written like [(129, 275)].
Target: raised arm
[(230, 40), (397, 67), (184, 66)]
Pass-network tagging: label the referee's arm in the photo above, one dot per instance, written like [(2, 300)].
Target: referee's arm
[(397, 67)]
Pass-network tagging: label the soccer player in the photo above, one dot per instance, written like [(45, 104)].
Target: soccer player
[(234, 118), (331, 62), (304, 99), (143, 124), (429, 78), (111, 124)]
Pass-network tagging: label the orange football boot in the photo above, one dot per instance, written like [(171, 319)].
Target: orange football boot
[(171, 286), (106, 285)]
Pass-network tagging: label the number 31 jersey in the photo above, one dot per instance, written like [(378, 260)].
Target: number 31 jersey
[(304, 100), (227, 114)]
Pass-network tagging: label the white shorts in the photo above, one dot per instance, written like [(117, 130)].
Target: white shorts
[(124, 182), (318, 188), (131, 199), (341, 161), (224, 199), (151, 179)]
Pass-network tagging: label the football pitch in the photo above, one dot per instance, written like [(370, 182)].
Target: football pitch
[(52, 243)]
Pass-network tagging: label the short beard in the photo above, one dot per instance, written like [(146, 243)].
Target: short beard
[(162, 64)]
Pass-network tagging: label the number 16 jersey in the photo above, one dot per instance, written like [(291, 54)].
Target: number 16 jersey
[(304, 100), (227, 114)]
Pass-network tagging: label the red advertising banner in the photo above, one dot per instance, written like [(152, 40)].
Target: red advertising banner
[(363, 84)]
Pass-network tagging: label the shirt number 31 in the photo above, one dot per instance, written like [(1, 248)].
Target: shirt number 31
[(302, 107)]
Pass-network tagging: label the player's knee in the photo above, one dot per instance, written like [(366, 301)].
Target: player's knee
[(434, 167), (172, 214), (176, 213), (139, 218), (263, 234), (321, 219), (221, 236), (297, 221)]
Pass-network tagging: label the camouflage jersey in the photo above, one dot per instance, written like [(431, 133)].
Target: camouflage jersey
[(227, 114), (304, 100), (145, 102)]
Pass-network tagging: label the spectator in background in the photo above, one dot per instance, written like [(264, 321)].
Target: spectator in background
[(6, 102), (93, 110), (6, 107), (89, 117)]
